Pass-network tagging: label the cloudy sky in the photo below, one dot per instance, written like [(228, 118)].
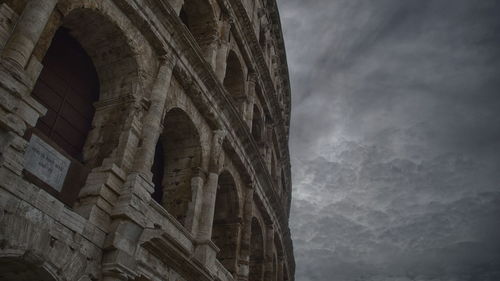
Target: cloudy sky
[(395, 139)]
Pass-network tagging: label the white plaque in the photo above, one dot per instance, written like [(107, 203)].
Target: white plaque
[(46, 163)]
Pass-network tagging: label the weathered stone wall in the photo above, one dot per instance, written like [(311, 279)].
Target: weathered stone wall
[(196, 77)]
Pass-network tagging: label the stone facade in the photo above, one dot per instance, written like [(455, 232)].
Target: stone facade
[(184, 171)]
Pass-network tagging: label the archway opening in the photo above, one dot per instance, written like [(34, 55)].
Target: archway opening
[(256, 252), (68, 86), (199, 18), (177, 155), (89, 71), (226, 226), (116, 62), (158, 170), (234, 81)]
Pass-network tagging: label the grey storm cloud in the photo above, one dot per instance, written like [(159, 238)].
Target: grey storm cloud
[(395, 139)]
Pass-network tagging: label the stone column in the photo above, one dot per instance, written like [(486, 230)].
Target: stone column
[(152, 121), (27, 31), (195, 206), (221, 56), (250, 99), (206, 251), (127, 223), (210, 189), (246, 234)]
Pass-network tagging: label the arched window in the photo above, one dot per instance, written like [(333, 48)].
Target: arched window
[(178, 153), (68, 86), (256, 252), (226, 222), (234, 81)]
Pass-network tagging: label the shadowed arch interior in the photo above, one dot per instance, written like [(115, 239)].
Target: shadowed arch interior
[(115, 61), (256, 252), (234, 81), (178, 154), (226, 226), (67, 86)]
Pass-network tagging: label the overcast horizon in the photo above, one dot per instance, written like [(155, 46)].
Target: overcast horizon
[(395, 139)]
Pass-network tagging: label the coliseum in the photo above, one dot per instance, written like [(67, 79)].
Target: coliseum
[(144, 140)]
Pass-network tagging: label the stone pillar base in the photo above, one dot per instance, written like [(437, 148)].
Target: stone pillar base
[(206, 253)]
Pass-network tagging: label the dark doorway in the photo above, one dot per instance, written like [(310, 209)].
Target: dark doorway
[(68, 86)]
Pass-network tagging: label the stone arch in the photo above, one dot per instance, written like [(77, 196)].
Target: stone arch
[(116, 59), (178, 155), (88, 102), (227, 218), (199, 18), (234, 80), (256, 267), (18, 268)]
